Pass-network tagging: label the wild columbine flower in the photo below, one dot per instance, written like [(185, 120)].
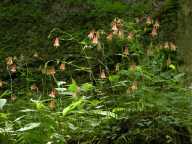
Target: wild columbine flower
[(134, 86), (50, 71), (126, 51), (62, 67), (137, 20), (35, 55), (56, 42), (52, 104), (1, 83), (154, 32), (117, 67), (117, 25), (172, 46), (166, 45), (110, 36), (9, 61), (149, 20), (13, 68), (114, 27), (13, 97), (156, 25), (53, 93), (120, 34), (34, 87), (94, 37), (91, 34), (130, 36), (103, 75)]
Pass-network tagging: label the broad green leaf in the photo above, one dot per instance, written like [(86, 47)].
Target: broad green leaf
[(173, 67), (105, 113), (71, 126), (29, 127), (72, 106), (73, 87), (5, 93), (39, 104), (28, 110), (2, 103), (4, 115), (119, 109), (61, 90), (179, 76), (60, 83), (114, 78), (87, 87)]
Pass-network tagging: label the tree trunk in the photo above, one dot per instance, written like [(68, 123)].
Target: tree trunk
[(184, 34)]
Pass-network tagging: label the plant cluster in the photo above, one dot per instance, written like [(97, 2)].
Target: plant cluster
[(122, 87)]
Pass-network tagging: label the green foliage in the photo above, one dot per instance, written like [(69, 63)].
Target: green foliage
[(2, 103), (118, 88)]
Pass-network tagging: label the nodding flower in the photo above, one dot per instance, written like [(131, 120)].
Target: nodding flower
[(117, 67), (114, 27), (94, 37), (120, 34), (52, 104), (117, 25), (13, 97), (35, 55), (110, 36), (51, 71), (1, 83), (13, 68), (137, 20), (56, 42), (156, 25), (149, 20), (34, 87), (154, 32), (62, 66), (103, 75), (130, 36), (53, 93), (166, 45), (134, 86), (172, 46), (91, 34), (126, 51), (9, 60)]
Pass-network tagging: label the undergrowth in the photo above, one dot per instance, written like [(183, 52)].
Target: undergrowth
[(122, 86)]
